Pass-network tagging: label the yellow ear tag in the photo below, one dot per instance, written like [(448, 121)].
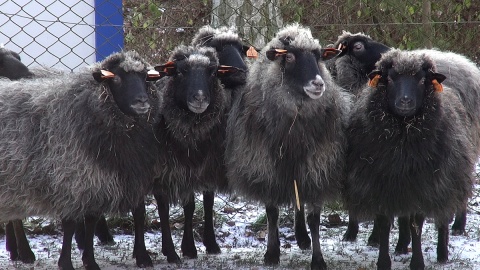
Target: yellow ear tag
[(374, 81), (252, 53), (437, 86)]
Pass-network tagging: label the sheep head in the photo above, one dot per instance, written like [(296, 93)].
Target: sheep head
[(362, 48), (126, 76), (11, 66), (230, 49), (301, 67), (407, 78), (195, 72)]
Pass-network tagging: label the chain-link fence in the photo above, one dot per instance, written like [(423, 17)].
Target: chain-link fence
[(154, 28)]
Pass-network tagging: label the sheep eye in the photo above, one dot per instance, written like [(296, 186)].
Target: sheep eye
[(117, 79), (180, 72), (290, 57)]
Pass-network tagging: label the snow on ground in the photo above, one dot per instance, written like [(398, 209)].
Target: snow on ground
[(243, 247)]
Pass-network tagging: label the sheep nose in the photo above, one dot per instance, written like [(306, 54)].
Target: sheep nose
[(199, 96), (317, 82), (142, 99), (406, 101)]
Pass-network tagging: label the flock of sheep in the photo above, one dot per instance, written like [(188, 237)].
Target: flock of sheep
[(391, 133)]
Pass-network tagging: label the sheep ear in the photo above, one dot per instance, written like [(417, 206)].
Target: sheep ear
[(153, 75), (329, 53), (226, 70), (250, 51), (274, 53), (101, 75), (437, 80), (374, 77), (169, 68)]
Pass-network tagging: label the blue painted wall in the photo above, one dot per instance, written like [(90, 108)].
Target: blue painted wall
[(109, 27)]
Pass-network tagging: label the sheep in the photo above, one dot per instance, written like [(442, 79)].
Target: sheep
[(413, 144), (286, 129), (79, 145), (350, 69), (17, 244), (191, 132)]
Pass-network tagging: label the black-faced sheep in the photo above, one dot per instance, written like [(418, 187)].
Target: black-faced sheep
[(79, 145), (412, 146), (286, 127), (17, 244), (191, 132), (350, 69)]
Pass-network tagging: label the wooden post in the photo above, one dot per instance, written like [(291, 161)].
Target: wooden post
[(427, 23), (256, 20)]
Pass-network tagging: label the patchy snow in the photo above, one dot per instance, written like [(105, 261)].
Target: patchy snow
[(243, 248)]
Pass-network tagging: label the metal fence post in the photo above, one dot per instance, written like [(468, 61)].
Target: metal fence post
[(108, 27)]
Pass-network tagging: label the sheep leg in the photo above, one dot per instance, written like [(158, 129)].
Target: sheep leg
[(88, 256), (458, 227), (272, 256), (80, 235), (374, 238), (168, 249), (416, 226), (209, 239), (301, 234), (352, 228), (403, 235), (103, 232), (11, 241), (25, 253), (442, 243), (384, 224), (65, 260), (188, 242), (139, 249), (313, 220)]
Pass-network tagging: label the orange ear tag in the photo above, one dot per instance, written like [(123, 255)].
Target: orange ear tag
[(106, 74), (252, 53), (374, 81), (437, 86), (153, 75)]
